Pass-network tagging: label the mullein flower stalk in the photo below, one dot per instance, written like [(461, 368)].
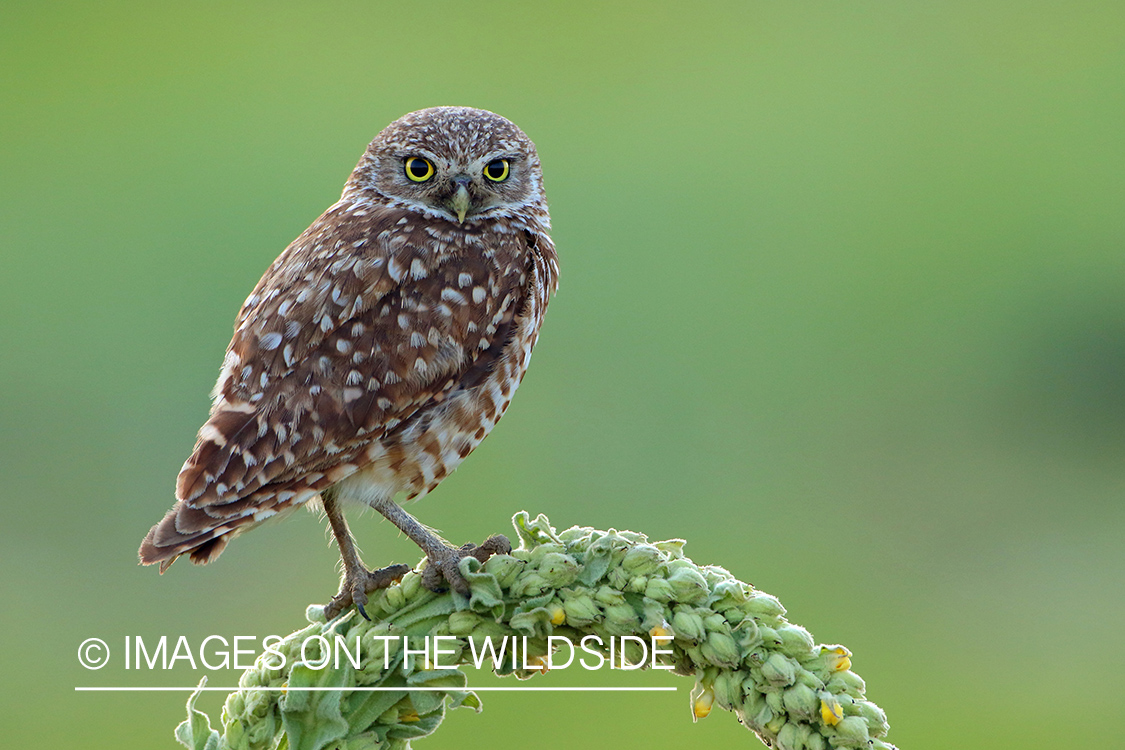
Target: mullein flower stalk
[(733, 639)]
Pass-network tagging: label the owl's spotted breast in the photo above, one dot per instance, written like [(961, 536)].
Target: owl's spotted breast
[(354, 330), (421, 451)]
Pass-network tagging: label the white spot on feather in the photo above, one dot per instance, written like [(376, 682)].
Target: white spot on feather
[(270, 341), (211, 433)]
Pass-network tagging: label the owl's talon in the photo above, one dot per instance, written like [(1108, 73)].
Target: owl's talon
[(447, 570), (355, 587)]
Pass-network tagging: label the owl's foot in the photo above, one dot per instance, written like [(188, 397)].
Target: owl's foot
[(356, 585), (446, 569)]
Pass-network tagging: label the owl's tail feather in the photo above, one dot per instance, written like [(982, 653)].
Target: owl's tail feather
[(175, 535)]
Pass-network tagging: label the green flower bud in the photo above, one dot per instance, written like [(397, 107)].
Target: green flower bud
[(642, 560), (236, 735), (609, 596), (393, 598), (558, 570), (688, 586), (852, 732), (774, 725), (549, 548), (846, 682), (714, 575), (610, 546), (763, 605), (411, 583), (721, 649), (802, 702), (764, 716), (529, 583), (621, 619), (875, 717), (756, 657), (659, 590), (816, 741), (769, 636), (733, 616), (753, 700), (789, 737), (580, 610), (257, 703), (728, 689), (775, 701), (779, 670), (505, 568), (463, 622), (808, 679), (688, 625), (795, 641), (714, 622), (236, 704), (617, 577)]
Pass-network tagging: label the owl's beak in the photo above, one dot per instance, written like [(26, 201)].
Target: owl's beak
[(460, 200)]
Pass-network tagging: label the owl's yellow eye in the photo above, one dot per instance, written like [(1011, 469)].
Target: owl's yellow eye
[(496, 170), (418, 169)]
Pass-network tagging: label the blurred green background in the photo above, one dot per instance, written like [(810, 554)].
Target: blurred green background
[(842, 304)]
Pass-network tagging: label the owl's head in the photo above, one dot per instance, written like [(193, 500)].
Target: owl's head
[(457, 163)]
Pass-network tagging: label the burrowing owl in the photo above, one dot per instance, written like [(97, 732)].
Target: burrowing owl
[(379, 349)]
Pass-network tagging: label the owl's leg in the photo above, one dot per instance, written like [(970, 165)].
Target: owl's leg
[(444, 559), (358, 580)]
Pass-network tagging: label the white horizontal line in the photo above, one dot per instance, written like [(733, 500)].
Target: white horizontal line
[(162, 689)]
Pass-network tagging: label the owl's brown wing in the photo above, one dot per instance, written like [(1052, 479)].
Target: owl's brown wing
[(367, 318)]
